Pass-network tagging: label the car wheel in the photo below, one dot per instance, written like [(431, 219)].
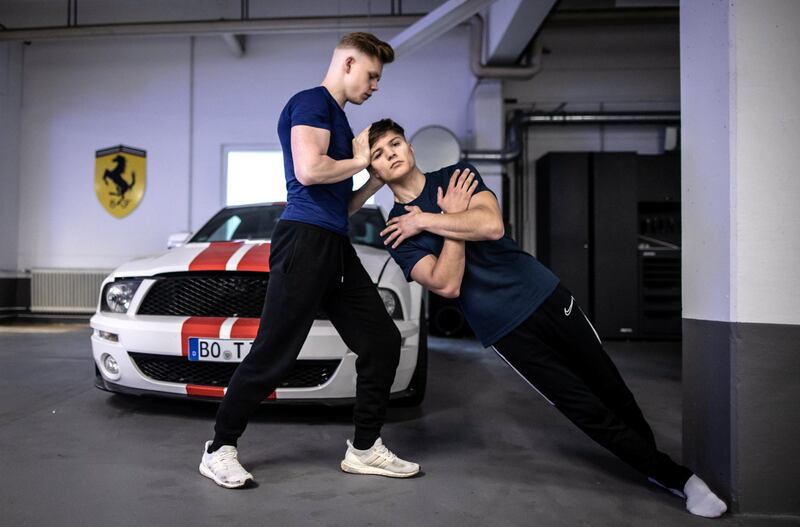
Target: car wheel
[(446, 318), (419, 380)]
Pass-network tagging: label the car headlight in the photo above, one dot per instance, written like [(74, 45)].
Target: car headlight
[(392, 303), (117, 295)]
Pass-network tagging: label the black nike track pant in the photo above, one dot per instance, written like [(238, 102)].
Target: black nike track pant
[(558, 352), (312, 268)]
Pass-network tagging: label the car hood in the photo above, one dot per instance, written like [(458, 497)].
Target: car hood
[(229, 256)]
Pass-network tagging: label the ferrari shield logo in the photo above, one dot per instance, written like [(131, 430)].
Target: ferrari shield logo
[(119, 178)]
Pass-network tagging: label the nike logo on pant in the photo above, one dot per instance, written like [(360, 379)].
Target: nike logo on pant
[(568, 310)]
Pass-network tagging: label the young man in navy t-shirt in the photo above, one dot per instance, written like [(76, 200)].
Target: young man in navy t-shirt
[(313, 266), (446, 232)]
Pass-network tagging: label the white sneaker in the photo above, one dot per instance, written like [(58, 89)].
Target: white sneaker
[(223, 467), (378, 460)]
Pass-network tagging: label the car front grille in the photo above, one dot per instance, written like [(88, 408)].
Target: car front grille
[(214, 295), (228, 294), (167, 368)]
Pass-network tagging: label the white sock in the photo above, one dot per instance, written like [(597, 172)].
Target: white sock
[(701, 501)]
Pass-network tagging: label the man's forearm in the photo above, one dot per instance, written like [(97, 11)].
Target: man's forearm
[(326, 170), (475, 224), (360, 196), (449, 269)]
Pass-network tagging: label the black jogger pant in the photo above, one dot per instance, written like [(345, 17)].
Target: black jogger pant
[(313, 268), (559, 353)]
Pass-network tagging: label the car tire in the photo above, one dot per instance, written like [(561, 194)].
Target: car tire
[(419, 380)]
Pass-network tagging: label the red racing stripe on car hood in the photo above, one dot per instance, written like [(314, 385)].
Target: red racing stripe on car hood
[(256, 259), (199, 327), (214, 257)]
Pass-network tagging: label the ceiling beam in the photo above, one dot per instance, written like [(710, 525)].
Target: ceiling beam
[(215, 27), (436, 23), (511, 24)]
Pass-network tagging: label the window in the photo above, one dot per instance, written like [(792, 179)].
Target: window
[(255, 175)]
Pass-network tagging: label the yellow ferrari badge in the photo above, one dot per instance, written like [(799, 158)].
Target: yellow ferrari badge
[(119, 178)]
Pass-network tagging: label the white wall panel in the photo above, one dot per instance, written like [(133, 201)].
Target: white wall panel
[(83, 96), (766, 161)]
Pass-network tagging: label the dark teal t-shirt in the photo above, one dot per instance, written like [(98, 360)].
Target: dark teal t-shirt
[(502, 286), (323, 205)]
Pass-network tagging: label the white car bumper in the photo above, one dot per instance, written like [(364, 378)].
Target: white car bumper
[(150, 349)]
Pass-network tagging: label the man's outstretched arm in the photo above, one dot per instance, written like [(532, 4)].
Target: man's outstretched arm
[(313, 166), (482, 221)]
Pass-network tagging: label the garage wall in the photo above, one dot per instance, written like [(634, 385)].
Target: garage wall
[(597, 68), (181, 100), (83, 96), (10, 105)]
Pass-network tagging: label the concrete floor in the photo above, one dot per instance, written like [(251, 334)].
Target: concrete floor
[(492, 451)]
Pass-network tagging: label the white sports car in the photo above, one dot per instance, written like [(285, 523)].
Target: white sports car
[(178, 324)]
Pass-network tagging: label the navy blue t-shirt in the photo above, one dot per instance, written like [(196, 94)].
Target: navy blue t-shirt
[(324, 205), (502, 286)]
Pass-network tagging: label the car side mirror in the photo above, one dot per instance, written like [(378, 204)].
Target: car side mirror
[(177, 239)]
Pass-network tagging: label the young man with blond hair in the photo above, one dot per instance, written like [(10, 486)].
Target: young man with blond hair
[(313, 265), (446, 232)]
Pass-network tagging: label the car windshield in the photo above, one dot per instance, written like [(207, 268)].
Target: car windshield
[(257, 222)]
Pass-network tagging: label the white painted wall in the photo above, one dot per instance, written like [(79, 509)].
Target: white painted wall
[(486, 121), (765, 168), (81, 96), (10, 105), (705, 163), (84, 95), (741, 162), (599, 68)]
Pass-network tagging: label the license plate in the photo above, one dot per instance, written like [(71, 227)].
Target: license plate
[(218, 350)]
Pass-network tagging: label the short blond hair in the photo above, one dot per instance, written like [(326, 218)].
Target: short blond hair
[(368, 44)]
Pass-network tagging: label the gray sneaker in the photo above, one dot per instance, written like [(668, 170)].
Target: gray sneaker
[(377, 460), (223, 467)]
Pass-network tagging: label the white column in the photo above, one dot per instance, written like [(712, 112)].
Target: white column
[(740, 75)]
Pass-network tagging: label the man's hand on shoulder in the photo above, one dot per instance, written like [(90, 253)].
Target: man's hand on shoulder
[(459, 192), (401, 228)]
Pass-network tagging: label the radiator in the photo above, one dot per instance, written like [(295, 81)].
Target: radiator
[(65, 290)]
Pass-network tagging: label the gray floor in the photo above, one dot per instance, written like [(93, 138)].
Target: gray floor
[(492, 451)]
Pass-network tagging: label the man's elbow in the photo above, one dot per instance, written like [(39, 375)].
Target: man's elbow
[(498, 231), (304, 174), (494, 231), (303, 177), (449, 292)]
